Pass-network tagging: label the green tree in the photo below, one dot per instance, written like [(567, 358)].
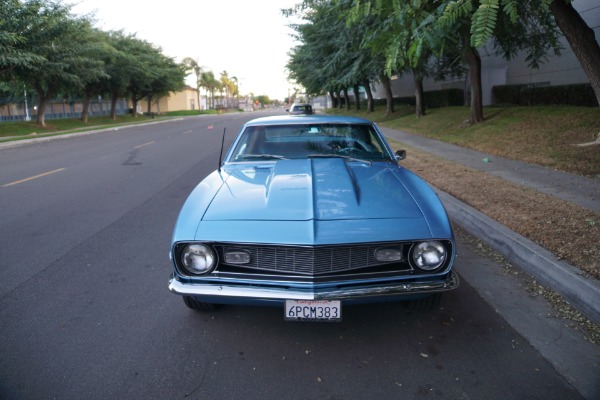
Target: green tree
[(236, 90), (121, 66), (16, 32), (405, 47), (263, 99), (55, 36), (330, 57), (91, 68), (580, 36), (144, 56), (168, 77), (192, 66), (211, 85), (415, 35), (525, 25), (228, 86)]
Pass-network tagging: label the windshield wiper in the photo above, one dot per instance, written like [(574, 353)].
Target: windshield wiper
[(265, 156), (319, 155)]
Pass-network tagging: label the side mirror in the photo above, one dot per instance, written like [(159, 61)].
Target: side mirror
[(400, 155)]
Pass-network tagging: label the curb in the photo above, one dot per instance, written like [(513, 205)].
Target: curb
[(583, 293)]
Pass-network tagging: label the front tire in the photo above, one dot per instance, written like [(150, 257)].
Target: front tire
[(196, 305)]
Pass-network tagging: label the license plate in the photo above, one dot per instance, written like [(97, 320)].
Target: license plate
[(313, 310)]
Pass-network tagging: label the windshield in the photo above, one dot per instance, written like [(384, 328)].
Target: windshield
[(356, 141)]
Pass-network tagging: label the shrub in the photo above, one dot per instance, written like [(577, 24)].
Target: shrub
[(433, 99), (529, 95)]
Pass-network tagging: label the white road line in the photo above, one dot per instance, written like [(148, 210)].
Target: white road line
[(145, 144)]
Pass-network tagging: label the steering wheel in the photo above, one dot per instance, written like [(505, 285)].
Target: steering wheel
[(345, 151)]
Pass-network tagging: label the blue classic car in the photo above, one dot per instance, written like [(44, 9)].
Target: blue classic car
[(312, 213)]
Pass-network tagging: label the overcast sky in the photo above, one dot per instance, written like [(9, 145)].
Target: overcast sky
[(248, 39)]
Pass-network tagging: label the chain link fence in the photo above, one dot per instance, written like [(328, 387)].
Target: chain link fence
[(25, 108)]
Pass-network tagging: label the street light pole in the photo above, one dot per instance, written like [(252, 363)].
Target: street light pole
[(27, 118)]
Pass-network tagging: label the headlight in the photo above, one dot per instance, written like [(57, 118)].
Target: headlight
[(197, 258), (429, 256)]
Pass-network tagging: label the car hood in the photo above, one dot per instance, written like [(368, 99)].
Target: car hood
[(312, 189)]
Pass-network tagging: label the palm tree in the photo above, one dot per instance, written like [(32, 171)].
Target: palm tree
[(236, 91), (211, 85), (192, 65), (228, 86)]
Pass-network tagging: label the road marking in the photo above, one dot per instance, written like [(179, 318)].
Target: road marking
[(33, 177), (186, 132), (145, 144)]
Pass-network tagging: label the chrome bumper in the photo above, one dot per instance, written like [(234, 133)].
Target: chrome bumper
[(248, 292)]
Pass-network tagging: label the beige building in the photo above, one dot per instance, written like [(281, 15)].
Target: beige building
[(186, 99)]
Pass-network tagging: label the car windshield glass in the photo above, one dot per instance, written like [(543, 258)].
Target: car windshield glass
[(354, 141)]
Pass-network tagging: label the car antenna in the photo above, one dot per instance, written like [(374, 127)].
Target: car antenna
[(221, 153)]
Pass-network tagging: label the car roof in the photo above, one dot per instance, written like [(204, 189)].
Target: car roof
[(307, 119)]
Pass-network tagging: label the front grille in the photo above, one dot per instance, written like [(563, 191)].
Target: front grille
[(308, 261)]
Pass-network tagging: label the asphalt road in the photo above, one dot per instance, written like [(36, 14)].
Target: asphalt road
[(85, 312)]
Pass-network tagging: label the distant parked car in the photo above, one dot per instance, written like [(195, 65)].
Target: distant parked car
[(312, 214), (296, 109)]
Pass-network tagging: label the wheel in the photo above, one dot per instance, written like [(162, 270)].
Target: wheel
[(199, 305), (425, 303)]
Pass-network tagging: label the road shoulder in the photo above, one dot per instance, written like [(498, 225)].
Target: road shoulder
[(532, 316)]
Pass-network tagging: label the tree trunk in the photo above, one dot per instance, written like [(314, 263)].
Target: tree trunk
[(473, 59), (387, 86), (581, 39), (346, 98), (419, 95), (356, 97), (333, 100), (370, 102), (134, 102), (149, 104), (113, 106), (41, 111), (43, 97), (85, 111)]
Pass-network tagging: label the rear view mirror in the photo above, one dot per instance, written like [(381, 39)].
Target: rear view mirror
[(400, 155)]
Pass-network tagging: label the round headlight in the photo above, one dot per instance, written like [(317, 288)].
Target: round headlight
[(429, 255), (197, 258)]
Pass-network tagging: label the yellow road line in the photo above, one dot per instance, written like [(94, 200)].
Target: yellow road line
[(145, 144), (33, 177)]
